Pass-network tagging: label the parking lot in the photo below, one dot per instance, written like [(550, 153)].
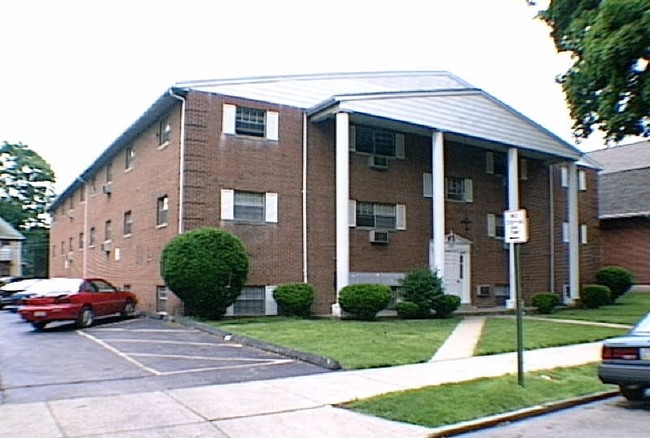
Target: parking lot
[(125, 356)]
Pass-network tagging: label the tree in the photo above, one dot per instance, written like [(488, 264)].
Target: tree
[(206, 268), (26, 187), (421, 287), (608, 85)]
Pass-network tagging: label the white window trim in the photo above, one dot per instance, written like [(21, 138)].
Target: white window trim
[(272, 125), (228, 118), (583, 234), (565, 232), (352, 213), (582, 180), (227, 204), (400, 217), (271, 207), (427, 185), (491, 225), (564, 176)]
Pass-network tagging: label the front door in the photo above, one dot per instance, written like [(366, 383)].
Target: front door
[(456, 272)]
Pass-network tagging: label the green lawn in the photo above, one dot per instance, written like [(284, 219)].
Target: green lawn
[(628, 310), (354, 344), (500, 335), (447, 404)]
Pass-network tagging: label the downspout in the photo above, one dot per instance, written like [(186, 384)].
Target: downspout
[(304, 198), (551, 231), (181, 163), (84, 260)]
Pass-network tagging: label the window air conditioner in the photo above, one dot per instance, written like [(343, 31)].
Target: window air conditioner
[(107, 246), (107, 189), (484, 290), (378, 162), (378, 236)]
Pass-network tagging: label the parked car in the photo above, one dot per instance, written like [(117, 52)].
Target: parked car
[(75, 299), (626, 361), (12, 294)]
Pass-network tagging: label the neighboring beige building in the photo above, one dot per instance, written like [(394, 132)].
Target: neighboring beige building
[(11, 242)]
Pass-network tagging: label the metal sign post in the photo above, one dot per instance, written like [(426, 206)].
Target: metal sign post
[(516, 232)]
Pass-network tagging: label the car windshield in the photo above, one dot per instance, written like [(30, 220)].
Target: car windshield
[(643, 326), (19, 285), (56, 286)]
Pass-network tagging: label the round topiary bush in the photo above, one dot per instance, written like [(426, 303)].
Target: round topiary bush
[(618, 280), (206, 268), (364, 301), (445, 305), (294, 299), (407, 310), (545, 302), (593, 296), (421, 287)]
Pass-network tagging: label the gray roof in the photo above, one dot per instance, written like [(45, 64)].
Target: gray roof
[(624, 181), (436, 100), (8, 232)]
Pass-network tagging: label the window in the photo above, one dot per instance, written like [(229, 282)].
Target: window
[(250, 302), (92, 237), (249, 206), (161, 299), (239, 120), (108, 230), (129, 156), (496, 226), (82, 194), (71, 202), (250, 121), (377, 141), (93, 184), (162, 210), (109, 171), (63, 247), (458, 189), (495, 163), (128, 223), (81, 240), (70, 244), (382, 216), (164, 130)]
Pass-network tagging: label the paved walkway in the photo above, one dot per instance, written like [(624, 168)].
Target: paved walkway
[(289, 407)]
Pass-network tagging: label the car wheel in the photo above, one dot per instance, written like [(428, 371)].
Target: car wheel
[(39, 325), (632, 393), (86, 317), (129, 309)]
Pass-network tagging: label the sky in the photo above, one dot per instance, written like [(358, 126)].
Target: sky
[(76, 74)]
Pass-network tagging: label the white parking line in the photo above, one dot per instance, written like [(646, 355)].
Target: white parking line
[(108, 329), (119, 353), (160, 341), (131, 357)]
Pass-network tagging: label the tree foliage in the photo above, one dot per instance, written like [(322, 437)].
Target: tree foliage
[(26, 186), (207, 269), (608, 85)]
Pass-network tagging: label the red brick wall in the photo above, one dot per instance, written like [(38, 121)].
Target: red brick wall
[(626, 243)]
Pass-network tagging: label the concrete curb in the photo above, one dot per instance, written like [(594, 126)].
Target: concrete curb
[(323, 362), (521, 414)]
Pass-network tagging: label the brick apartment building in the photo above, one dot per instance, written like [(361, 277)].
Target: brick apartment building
[(333, 180)]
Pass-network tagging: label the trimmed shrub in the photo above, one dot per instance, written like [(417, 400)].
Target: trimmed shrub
[(445, 305), (364, 301), (618, 280), (421, 287), (206, 268), (546, 302), (294, 299), (593, 296), (407, 310)]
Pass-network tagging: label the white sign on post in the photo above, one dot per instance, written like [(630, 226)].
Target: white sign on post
[(516, 226)]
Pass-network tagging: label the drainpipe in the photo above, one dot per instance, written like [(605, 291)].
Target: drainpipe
[(551, 230), (304, 198), (84, 259), (181, 163)]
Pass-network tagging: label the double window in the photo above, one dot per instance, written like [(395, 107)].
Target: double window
[(375, 141), (496, 226), (252, 122), (459, 189), (244, 206), (380, 216)]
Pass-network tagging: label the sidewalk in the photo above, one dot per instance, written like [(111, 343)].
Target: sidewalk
[(290, 407)]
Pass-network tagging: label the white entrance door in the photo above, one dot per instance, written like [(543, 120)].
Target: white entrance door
[(456, 273)]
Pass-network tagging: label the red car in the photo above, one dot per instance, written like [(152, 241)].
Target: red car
[(75, 299)]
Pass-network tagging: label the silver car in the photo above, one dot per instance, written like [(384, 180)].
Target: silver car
[(626, 361)]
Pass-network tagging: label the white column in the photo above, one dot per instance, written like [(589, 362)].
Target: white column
[(342, 200), (438, 211), (574, 244), (513, 204)]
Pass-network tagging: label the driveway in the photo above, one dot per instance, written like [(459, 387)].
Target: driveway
[(123, 357)]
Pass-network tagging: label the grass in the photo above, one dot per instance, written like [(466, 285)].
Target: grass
[(354, 344), (628, 310), (448, 404), (500, 335)]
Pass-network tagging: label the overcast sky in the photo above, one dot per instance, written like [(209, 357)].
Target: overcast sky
[(76, 74)]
